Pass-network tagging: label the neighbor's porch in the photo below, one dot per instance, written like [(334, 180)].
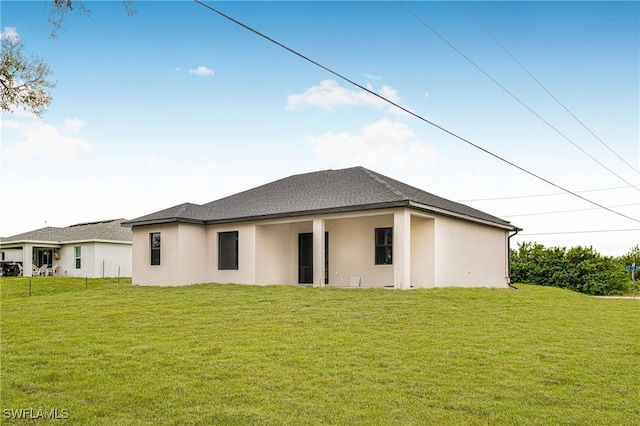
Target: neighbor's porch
[(35, 259)]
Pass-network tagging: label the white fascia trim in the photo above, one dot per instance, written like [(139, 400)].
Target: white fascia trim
[(96, 241), (22, 243), (459, 216)]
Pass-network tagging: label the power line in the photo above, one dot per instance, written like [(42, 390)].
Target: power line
[(579, 232), (513, 197), (419, 117), (464, 9), (565, 211), (512, 95)]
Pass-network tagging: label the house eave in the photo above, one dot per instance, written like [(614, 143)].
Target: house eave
[(22, 243), (443, 212), (342, 209), (133, 223)]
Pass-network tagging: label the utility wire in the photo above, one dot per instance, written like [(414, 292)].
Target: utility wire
[(512, 95), (542, 195), (465, 10), (579, 232), (419, 117), (565, 211)]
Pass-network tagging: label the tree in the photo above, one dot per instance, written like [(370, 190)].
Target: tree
[(24, 78)]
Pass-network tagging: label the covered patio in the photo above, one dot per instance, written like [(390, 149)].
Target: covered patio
[(35, 258)]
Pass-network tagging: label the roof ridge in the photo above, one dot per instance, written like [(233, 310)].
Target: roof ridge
[(386, 184)]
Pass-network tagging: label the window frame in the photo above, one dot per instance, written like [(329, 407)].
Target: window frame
[(383, 252), (228, 237), (77, 252), (155, 253)]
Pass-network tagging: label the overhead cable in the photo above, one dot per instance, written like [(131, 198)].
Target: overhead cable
[(565, 137), (419, 117), (513, 197), (464, 9)]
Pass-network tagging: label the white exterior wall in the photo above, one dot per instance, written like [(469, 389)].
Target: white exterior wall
[(245, 274), (469, 254), (352, 251), (12, 255), (167, 273), (111, 259), (67, 262), (422, 252), (275, 254), (429, 251)]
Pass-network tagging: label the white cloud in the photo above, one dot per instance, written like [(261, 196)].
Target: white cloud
[(36, 138), (10, 33), (372, 77), (156, 163), (202, 71), (329, 94), (74, 125), (384, 142)]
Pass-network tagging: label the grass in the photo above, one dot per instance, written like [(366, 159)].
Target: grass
[(229, 354)]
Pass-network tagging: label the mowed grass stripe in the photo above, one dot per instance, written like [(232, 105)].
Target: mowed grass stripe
[(230, 354)]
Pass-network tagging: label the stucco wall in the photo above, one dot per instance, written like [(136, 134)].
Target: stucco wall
[(444, 251), (352, 251), (245, 274), (469, 254), (111, 259), (12, 255), (422, 252), (274, 254), (167, 273), (67, 262)]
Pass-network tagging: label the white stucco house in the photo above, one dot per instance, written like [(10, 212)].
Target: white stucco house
[(349, 227), (95, 249)]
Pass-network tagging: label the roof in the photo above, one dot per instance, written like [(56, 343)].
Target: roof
[(324, 191), (107, 230)]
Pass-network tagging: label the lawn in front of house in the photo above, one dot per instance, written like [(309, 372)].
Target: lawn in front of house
[(232, 354)]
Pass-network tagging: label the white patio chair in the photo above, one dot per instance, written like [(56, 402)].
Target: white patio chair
[(50, 272), (42, 270), (19, 269)]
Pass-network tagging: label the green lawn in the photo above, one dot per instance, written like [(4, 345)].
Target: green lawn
[(229, 354)]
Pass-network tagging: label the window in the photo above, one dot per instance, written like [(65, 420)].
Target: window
[(78, 251), (228, 250), (384, 246), (154, 239)]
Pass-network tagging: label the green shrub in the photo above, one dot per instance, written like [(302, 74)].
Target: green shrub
[(579, 269)]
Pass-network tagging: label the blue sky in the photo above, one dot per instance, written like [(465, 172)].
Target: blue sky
[(177, 104)]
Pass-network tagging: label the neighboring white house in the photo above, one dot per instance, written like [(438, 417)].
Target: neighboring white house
[(96, 249), (350, 227)]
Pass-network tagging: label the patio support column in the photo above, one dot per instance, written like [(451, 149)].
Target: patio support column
[(318, 252), (402, 249), (27, 260)]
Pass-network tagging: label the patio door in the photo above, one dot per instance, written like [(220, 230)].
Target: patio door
[(305, 258), (44, 257)]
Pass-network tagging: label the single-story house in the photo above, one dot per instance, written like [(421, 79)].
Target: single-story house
[(349, 227), (96, 249)]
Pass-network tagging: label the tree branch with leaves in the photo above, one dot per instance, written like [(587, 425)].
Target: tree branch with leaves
[(24, 79)]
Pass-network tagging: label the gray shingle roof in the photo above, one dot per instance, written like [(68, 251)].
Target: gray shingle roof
[(325, 191), (110, 230)]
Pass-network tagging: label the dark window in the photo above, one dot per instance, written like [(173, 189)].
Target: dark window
[(78, 253), (228, 250), (154, 238), (384, 246)]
